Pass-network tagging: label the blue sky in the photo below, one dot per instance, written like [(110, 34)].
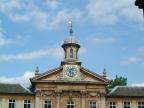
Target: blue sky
[(111, 35)]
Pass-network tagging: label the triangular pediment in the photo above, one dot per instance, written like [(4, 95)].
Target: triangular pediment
[(92, 76), (56, 75), (49, 75)]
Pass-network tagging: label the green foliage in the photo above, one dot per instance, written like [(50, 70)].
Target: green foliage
[(118, 81)]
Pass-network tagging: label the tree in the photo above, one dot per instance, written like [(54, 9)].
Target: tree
[(118, 81)]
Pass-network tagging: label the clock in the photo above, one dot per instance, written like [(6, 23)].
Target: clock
[(71, 71)]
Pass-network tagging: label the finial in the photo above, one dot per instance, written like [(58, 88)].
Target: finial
[(37, 71), (70, 28), (104, 73)]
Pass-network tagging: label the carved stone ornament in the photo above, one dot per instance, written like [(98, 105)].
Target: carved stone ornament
[(48, 94), (83, 76), (93, 94), (59, 76)]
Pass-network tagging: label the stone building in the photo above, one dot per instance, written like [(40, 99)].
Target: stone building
[(70, 86)]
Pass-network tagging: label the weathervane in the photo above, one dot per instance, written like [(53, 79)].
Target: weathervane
[(140, 4), (70, 28)]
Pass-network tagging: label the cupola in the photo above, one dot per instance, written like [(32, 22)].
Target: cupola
[(70, 46)]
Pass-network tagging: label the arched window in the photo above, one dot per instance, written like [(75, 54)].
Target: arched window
[(71, 53), (70, 104), (12, 103)]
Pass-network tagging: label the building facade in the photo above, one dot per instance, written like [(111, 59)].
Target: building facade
[(70, 86)]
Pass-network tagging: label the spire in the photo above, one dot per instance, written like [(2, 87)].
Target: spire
[(70, 28)]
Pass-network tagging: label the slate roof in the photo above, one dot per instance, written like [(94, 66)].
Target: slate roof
[(13, 89), (126, 91)]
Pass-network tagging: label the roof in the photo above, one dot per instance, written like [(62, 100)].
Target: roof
[(102, 79), (95, 74), (70, 39), (46, 73), (13, 89), (125, 91)]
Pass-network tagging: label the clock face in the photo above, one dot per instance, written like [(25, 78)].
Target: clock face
[(71, 71)]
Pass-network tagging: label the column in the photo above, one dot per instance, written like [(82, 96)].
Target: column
[(58, 100), (37, 102), (103, 102), (83, 98)]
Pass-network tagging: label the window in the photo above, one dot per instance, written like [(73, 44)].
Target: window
[(70, 104), (140, 104), (126, 104), (112, 105), (71, 53), (92, 104), (47, 104), (12, 103), (27, 103)]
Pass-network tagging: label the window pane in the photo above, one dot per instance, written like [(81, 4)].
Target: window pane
[(27, 103), (47, 104), (112, 104), (11, 103), (92, 104), (70, 104)]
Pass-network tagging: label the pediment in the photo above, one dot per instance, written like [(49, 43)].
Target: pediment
[(53, 74), (88, 75), (85, 75)]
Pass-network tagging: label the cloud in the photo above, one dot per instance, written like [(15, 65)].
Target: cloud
[(138, 84), (52, 4), (132, 60), (43, 19), (3, 40), (53, 52), (24, 79), (110, 11), (97, 40)]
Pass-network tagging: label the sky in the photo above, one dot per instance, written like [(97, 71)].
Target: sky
[(110, 32)]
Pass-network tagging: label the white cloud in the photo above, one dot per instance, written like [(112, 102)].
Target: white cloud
[(3, 40), (52, 52), (97, 40), (138, 84), (20, 11), (8, 41), (24, 79), (110, 11), (52, 4), (132, 60)]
